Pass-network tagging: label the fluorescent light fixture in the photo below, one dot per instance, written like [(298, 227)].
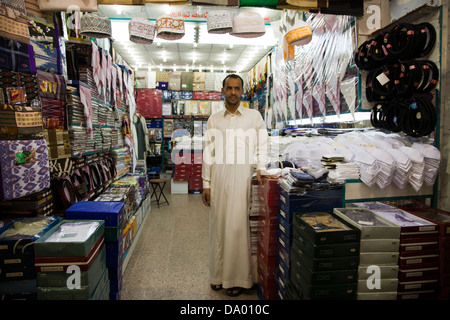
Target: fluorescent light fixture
[(344, 117)]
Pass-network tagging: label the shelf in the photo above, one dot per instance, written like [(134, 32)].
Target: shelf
[(357, 191)]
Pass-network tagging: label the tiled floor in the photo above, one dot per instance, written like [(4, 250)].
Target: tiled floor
[(170, 260)]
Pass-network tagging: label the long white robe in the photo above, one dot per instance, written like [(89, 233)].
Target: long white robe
[(233, 145)]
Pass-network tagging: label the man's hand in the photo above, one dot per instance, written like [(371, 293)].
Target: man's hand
[(260, 175), (206, 197)]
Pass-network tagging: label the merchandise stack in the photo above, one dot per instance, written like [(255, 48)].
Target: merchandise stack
[(418, 263), (324, 258), (18, 276), (80, 142), (267, 261), (122, 160), (182, 168), (379, 246), (195, 183), (254, 213), (295, 198), (70, 261), (36, 204), (442, 219), (111, 213), (52, 93)]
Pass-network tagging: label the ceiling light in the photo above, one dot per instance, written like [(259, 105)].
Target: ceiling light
[(118, 9)]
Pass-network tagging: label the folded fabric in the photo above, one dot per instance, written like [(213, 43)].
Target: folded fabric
[(16, 56), (24, 168), (20, 79), (52, 86)]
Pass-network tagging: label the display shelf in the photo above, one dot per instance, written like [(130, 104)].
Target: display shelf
[(357, 191), (127, 255)]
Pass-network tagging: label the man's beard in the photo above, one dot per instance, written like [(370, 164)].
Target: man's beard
[(233, 103)]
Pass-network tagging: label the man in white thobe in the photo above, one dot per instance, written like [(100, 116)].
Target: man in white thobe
[(235, 141)]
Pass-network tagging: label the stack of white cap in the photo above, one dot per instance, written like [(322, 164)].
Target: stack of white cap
[(387, 167), (432, 158), (402, 168), (416, 174)]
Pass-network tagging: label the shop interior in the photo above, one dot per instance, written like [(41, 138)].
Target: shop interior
[(103, 100)]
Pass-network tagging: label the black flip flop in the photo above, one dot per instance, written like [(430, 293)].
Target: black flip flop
[(234, 292), (216, 287)]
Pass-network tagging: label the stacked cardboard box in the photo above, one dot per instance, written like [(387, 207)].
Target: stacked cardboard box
[(18, 276), (254, 214), (267, 239), (112, 213), (195, 183), (324, 257), (36, 204), (291, 202), (379, 248), (442, 219), (419, 254), (70, 261)]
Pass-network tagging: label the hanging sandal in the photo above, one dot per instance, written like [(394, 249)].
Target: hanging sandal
[(216, 287), (234, 292)]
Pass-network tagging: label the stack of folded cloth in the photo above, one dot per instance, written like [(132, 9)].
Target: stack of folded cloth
[(432, 158), (106, 138), (416, 174), (329, 161), (343, 171), (402, 168), (368, 166), (387, 167)]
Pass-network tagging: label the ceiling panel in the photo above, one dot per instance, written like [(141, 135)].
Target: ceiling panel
[(212, 52)]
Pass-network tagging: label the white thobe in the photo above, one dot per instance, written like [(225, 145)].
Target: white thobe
[(233, 145)]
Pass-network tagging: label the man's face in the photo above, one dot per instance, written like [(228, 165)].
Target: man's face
[(232, 91)]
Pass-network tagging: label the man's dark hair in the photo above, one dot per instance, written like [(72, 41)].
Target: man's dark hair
[(234, 76)]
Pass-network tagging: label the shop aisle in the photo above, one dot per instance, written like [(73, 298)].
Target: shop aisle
[(170, 260)]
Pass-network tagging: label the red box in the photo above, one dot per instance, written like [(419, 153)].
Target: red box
[(265, 273), (268, 225), (437, 216), (418, 274), (417, 285), (268, 287), (270, 186), (268, 241), (419, 227), (422, 244), (269, 261), (417, 295), (418, 262)]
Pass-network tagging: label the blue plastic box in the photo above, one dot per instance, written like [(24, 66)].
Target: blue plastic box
[(110, 212)]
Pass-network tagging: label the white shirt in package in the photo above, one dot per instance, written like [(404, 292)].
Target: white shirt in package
[(74, 232)]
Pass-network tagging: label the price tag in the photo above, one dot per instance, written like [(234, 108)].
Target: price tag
[(383, 78)]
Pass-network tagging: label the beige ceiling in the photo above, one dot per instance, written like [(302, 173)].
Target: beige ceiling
[(212, 52)]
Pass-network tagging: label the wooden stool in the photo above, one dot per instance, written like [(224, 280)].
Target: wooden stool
[(158, 183)]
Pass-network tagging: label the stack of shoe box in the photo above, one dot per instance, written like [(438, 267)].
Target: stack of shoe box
[(324, 257), (294, 201), (267, 239), (18, 276), (379, 253), (419, 254), (70, 261), (195, 183), (112, 213), (442, 219), (254, 213)]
